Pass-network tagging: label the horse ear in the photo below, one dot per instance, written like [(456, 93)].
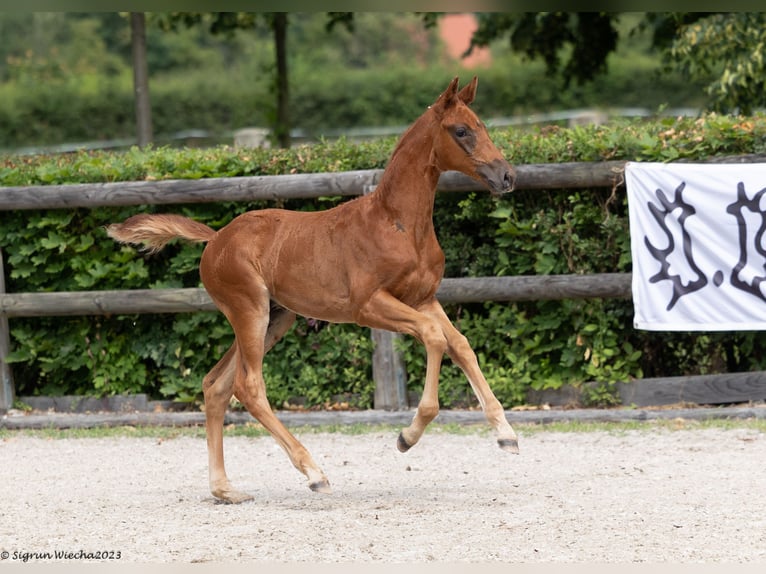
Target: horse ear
[(452, 88), (448, 96), (468, 93)]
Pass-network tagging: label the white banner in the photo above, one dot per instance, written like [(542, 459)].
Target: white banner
[(698, 241)]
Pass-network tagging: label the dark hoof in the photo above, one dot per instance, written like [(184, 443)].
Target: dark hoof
[(322, 486), (402, 444), (509, 444)]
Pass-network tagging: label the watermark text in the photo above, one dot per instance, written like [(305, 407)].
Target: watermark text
[(47, 555)]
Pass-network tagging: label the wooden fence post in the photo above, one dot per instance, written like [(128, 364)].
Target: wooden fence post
[(388, 371), (6, 376)]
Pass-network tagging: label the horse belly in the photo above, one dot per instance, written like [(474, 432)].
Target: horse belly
[(308, 278), (315, 301)]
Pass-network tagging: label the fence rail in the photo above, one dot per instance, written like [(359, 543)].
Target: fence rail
[(572, 175), (464, 290), (292, 186), (187, 300)]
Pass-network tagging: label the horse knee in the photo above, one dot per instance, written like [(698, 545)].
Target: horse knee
[(434, 340)]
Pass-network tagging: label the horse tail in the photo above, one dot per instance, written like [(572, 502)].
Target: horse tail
[(155, 231)]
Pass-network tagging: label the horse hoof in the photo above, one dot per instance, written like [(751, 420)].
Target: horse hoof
[(232, 497), (509, 445), (321, 486), (402, 444)]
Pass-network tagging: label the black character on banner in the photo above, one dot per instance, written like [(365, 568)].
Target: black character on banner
[(671, 217), (749, 238)]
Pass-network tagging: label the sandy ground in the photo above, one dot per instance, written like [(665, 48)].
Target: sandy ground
[(650, 495)]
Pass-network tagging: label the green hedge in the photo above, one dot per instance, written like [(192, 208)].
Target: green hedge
[(521, 346), (88, 108)]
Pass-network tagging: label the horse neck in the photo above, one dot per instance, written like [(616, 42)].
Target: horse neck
[(407, 187)]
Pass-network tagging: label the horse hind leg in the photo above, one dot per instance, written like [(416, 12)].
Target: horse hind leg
[(251, 327), (251, 392), (280, 321), (218, 387)]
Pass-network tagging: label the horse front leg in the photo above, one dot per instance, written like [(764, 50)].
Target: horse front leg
[(428, 407), (384, 311), (461, 353)]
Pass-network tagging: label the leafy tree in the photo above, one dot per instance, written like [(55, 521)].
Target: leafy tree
[(732, 46), (375, 44), (726, 49), (53, 47), (227, 23), (591, 37)]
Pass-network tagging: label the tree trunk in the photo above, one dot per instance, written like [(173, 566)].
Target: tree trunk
[(141, 79), (282, 127)]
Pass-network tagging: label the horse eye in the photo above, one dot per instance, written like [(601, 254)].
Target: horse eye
[(461, 132)]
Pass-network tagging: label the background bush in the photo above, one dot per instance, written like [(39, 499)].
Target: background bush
[(90, 107), (522, 346)]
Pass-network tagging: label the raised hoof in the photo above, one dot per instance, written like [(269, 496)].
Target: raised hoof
[(402, 444), (509, 445), (232, 497), (322, 487)]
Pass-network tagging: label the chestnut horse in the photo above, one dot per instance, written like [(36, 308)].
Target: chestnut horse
[(374, 261)]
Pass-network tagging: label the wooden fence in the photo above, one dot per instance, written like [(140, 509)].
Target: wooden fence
[(387, 368)]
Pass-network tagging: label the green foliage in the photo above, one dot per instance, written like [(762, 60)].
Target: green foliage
[(733, 45), (591, 37), (321, 368), (383, 73), (521, 346), (46, 114)]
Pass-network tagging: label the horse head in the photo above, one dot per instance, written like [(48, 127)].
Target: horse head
[(463, 143)]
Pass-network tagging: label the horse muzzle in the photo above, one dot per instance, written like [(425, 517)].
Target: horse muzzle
[(498, 176)]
